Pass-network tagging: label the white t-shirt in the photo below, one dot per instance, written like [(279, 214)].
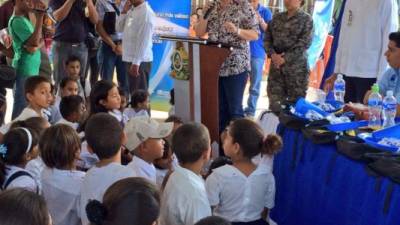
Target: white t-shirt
[(119, 116), (238, 198), (130, 113), (160, 176), (184, 200), (61, 190), (25, 182), (97, 181), (25, 114), (87, 159), (35, 167), (143, 169)]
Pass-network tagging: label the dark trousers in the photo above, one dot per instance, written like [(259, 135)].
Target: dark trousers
[(356, 88), (92, 66), (230, 98), (140, 82)]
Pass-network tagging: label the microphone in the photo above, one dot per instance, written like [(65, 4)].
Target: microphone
[(209, 10)]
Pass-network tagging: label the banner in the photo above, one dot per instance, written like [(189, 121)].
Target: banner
[(322, 17), (172, 19)]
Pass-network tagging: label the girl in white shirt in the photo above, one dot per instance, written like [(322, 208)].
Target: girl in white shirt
[(244, 192), (60, 148), (18, 148), (104, 97), (139, 105)]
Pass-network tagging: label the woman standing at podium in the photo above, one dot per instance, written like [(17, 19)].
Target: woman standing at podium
[(231, 22)]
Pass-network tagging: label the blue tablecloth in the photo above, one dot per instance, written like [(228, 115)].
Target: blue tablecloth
[(323, 187)]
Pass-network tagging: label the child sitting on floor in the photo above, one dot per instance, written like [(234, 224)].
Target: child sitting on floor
[(105, 137), (17, 149), (184, 198), (140, 105), (59, 149), (145, 139), (244, 192), (128, 201)]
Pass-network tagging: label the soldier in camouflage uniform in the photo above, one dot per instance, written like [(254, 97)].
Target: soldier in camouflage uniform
[(287, 39)]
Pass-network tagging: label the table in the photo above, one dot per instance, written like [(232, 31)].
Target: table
[(323, 187)]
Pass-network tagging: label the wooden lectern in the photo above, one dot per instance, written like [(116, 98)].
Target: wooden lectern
[(197, 98)]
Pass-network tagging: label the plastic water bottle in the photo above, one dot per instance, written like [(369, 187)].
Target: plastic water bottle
[(339, 88), (375, 108), (389, 109)]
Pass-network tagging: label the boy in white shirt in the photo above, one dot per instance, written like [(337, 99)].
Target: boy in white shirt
[(38, 96), (72, 109), (145, 139), (184, 198), (105, 137)]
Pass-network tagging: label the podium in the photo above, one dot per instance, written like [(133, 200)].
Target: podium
[(196, 99)]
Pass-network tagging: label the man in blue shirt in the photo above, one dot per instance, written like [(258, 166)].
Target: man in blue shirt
[(391, 78), (257, 51)]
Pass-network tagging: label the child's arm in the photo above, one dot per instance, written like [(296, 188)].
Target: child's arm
[(33, 42)]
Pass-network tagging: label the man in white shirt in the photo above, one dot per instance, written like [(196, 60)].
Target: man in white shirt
[(137, 25), (362, 44)]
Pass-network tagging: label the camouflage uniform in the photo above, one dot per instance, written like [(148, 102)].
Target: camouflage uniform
[(291, 36)]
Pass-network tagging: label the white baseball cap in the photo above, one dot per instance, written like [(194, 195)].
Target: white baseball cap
[(139, 129)]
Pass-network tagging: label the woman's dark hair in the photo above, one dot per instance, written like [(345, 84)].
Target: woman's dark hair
[(99, 92), (129, 201), (22, 207), (14, 147), (395, 37), (250, 136), (58, 147), (37, 124), (139, 96)]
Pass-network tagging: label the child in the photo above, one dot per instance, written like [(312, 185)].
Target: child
[(124, 103), (104, 136), (59, 147), (37, 125), (168, 162), (213, 220), (68, 86), (72, 109), (140, 105), (26, 41), (184, 198), (105, 97), (145, 139), (73, 70), (128, 201), (38, 95), (21, 207), (243, 192), (18, 147)]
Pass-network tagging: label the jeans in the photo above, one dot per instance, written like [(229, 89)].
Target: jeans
[(19, 96), (61, 52), (230, 98), (108, 61), (255, 82)]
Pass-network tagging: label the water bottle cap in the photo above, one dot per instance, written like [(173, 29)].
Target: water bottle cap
[(340, 76), (389, 93), (375, 88)]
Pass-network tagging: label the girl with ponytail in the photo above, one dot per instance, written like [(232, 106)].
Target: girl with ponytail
[(244, 192)]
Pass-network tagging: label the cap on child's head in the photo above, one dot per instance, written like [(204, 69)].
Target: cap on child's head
[(139, 129)]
